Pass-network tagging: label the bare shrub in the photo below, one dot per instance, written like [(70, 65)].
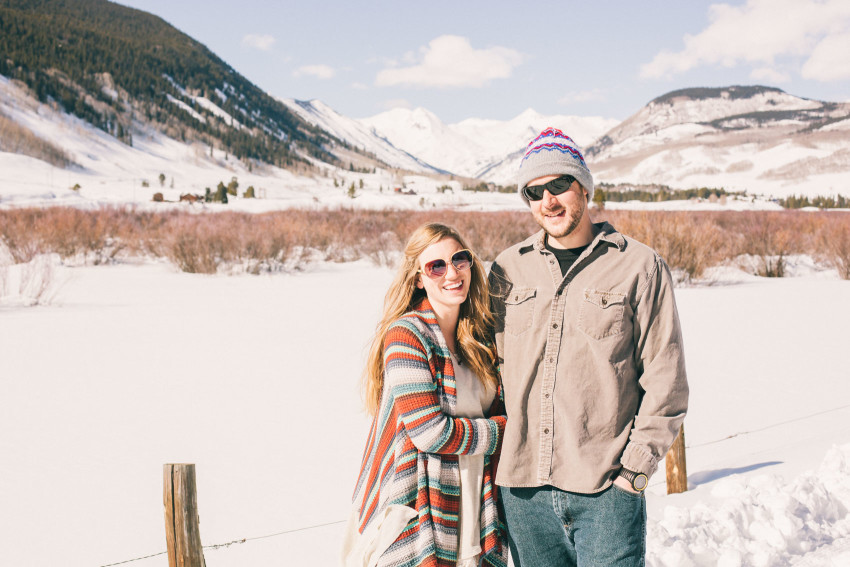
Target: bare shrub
[(30, 283), (490, 233), (383, 250), (691, 242), (256, 243), (767, 237), (834, 243), (195, 244), (21, 233)]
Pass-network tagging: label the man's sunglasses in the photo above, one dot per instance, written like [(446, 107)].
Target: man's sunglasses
[(461, 260), (555, 187)]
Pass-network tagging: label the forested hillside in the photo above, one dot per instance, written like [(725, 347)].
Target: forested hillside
[(111, 65)]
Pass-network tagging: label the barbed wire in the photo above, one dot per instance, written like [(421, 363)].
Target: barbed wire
[(216, 546), (765, 428), (742, 433), (135, 559)]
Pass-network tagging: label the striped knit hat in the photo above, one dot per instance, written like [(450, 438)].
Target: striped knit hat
[(553, 153)]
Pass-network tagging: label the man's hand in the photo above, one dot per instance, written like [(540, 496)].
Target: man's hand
[(624, 484)]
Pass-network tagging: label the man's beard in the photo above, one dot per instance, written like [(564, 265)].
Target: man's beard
[(573, 220)]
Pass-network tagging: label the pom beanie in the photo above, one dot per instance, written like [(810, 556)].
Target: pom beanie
[(553, 153)]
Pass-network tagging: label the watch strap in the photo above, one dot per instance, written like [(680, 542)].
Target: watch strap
[(639, 481)]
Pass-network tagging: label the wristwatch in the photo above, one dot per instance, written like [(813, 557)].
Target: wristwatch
[(637, 480)]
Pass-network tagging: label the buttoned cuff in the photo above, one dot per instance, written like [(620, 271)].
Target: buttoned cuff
[(639, 459)]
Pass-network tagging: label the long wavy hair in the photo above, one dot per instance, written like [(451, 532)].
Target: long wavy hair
[(474, 322)]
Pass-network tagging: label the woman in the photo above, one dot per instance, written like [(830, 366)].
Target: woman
[(425, 495)]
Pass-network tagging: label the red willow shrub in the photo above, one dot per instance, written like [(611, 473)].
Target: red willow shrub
[(206, 242)]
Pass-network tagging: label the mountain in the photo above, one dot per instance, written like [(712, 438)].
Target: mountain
[(753, 138), (485, 149), (114, 97), (117, 67), (357, 134)]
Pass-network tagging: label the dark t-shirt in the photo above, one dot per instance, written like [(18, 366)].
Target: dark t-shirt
[(566, 257)]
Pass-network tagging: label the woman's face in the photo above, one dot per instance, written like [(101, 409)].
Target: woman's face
[(450, 289)]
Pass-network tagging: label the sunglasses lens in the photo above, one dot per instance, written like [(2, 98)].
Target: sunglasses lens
[(462, 260), (436, 268), (555, 187), (534, 193)]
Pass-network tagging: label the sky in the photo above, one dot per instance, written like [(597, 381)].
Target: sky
[(494, 59)]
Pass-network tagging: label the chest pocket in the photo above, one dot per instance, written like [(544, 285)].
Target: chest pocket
[(519, 310), (601, 313)]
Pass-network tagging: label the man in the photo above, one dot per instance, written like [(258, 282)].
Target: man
[(593, 372)]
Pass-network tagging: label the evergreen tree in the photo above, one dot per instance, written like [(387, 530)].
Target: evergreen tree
[(599, 197)]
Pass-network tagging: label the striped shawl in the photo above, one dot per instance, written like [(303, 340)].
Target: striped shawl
[(411, 455)]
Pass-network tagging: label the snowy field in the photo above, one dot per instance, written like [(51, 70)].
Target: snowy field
[(254, 379)]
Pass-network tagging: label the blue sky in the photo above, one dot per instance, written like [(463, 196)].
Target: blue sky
[(494, 59)]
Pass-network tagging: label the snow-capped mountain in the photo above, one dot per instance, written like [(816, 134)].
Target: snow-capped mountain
[(754, 138), (478, 148), (357, 134)]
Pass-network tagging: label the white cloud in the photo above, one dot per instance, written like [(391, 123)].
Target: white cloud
[(450, 61), (396, 103), (318, 71), (582, 96), (760, 32), (769, 75), (261, 42), (830, 60)]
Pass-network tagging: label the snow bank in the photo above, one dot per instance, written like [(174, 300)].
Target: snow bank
[(760, 520)]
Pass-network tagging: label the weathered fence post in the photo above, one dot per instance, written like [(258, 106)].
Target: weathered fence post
[(677, 471), (182, 534)]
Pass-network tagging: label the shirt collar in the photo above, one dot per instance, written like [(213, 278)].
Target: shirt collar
[(605, 233)]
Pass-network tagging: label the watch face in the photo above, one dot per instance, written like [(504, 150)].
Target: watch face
[(640, 482)]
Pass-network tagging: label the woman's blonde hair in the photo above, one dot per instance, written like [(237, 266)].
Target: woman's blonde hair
[(474, 322)]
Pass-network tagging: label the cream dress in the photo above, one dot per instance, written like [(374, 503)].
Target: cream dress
[(473, 400)]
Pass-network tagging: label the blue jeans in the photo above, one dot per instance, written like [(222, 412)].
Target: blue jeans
[(548, 527)]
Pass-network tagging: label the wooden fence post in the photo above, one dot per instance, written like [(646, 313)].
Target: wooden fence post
[(677, 471), (182, 534)]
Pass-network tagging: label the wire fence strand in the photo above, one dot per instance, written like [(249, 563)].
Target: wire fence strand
[(216, 546)]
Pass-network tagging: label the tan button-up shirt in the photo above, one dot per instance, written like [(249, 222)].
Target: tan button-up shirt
[(592, 362)]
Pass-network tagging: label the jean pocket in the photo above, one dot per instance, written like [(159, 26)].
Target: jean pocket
[(627, 493), (519, 310), (601, 313)]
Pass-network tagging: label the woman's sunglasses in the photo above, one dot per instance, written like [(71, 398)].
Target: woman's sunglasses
[(461, 260), (555, 187)]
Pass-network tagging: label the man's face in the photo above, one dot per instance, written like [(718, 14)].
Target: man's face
[(559, 215)]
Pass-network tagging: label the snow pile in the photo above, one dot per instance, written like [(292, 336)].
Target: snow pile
[(760, 520)]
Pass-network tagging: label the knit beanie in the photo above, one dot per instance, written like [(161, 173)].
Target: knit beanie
[(553, 153)]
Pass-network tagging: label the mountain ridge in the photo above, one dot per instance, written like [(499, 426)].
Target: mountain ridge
[(112, 65), (128, 72), (754, 138)]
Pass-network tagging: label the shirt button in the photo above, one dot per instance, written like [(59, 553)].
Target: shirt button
[(604, 301), (555, 326), (546, 431), (551, 360), (547, 396)]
